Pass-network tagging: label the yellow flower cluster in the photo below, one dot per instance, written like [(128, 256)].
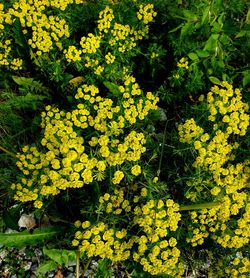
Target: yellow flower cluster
[(226, 106), (214, 154), (105, 18), (229, 181), (72, 54), (157, 215), (67, 161), (99, 70), (115, 204), (189, 131), (232, 266), (123, 36), (90, 43), (1, 18), (183, 63), (109, 58), (63, 4), (156, 253), (204, 222), (30, 160), (45, 29), (6, 59), (16, 64), (215, 151), (151, 245), (4, 56), (240, 267), (120, 37), (146, 13), (120, 32), (240, 236), (91, 63), (216, 221), (100, 240), (133, 109), (234, 177)]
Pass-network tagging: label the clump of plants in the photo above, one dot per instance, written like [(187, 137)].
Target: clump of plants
[(119, 173)]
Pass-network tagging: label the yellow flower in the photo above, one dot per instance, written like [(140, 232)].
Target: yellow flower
[(144, 192), (136, 170), (118, 176), (75, 242), (78, 224), (155, 179), (38, 204), (215, 191), (85, 224)]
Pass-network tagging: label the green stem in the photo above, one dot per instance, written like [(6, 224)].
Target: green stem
[(86, 266), (8, 152), (200, 206), (162, 149)]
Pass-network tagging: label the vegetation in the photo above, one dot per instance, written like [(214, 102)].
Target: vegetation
[(125, 136)]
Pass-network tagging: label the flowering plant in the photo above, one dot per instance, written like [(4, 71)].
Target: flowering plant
[(111, 158)]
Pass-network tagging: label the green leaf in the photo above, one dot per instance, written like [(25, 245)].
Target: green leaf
[(25, 238), (23, 102), (225, 77), (65, 258), (221, 19), (248, 17), (221, 64), (189, 15), (60, 256), (211, 42), (37, 61), (202, 53), (205, 15), (18, 34), (193, 56), (214, 80), (246, 78), (216, 27), (30, 85), (54, 254), (46, 266), (186, 29), (71, 255), (104, 270), (113, 88), (218, 5), (224, 39), (176, 28), (241, 34), (11, 217)]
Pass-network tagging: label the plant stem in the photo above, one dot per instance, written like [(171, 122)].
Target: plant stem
[(162, 149), (8, 152), (77, 264), (200, 206), (86, 266)]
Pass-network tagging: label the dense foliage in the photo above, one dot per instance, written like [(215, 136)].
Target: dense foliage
[(125, 134)]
